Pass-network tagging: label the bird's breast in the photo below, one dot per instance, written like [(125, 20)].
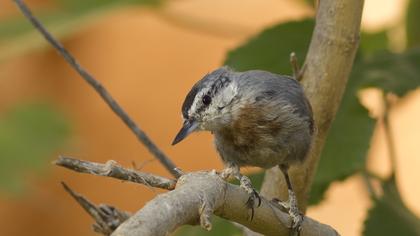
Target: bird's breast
[(251, 140)]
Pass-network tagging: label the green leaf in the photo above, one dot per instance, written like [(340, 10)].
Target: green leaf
[(412, 24), (17, 35), (29, 135), (397, 73), (270, 49), (373, 42), (220, 227), (390, 216)]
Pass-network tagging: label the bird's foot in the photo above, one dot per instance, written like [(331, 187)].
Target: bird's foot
[(254, 197), (291, 207), (229, 171)]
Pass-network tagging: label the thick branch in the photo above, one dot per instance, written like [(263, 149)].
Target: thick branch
[(112, 169), (200, 194), (327, 67), (100, 89)]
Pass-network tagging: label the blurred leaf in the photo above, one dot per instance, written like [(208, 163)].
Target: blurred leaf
[(397, 73), (373, 42), (390, 216), (29, 134), (347, 143), (270, 49), (220, 227), (412, 24), (17, 35), (310, 2)]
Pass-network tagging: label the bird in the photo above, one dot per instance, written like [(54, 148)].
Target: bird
[(258, 118)]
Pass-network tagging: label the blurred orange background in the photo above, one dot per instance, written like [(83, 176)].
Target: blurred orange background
[(149, 59)]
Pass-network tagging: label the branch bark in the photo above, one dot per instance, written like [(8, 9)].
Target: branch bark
[(200, 194), (112, 169), (197, 196), (328, 65)]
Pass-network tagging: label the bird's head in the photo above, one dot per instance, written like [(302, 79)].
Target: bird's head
[(208, 105)]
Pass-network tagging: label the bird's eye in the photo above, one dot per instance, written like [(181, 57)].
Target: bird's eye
[(206, 100)]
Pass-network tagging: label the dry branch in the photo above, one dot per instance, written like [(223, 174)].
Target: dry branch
[(196, 197), (100, 89), (107, 218), (327, 67), (112, 169), (200, 194)]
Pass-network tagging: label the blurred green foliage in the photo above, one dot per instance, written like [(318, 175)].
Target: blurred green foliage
[(389, 215), (29, 135), (270, 49), (412, 28)]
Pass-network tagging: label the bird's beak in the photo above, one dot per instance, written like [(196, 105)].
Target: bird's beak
[(188, 127)]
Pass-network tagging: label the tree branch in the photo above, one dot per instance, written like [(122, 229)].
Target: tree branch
[(112, 169), (107, 218), (327, 67), (196, 198), (200, 194), (100, 89)]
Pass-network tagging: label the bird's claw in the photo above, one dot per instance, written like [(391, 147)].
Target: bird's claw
[(253, 195), (250, 203), (297, 220), (296, 216)]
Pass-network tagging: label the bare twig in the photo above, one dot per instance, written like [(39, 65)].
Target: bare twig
[(107, 218), (297, 72), (200, 194), (368, 184), (295, 65), (100, 89), (112, 169), (389, 136)]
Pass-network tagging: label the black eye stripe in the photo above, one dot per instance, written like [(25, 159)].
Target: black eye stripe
[(219, 79)]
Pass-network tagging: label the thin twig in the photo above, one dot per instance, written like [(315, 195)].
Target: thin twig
[(112, 169), (100, 89), (294, 63), (297, 72), (389, 136), (368, 183), (107, 218)]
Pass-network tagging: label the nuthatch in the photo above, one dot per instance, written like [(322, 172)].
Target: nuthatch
[(258, 119)]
